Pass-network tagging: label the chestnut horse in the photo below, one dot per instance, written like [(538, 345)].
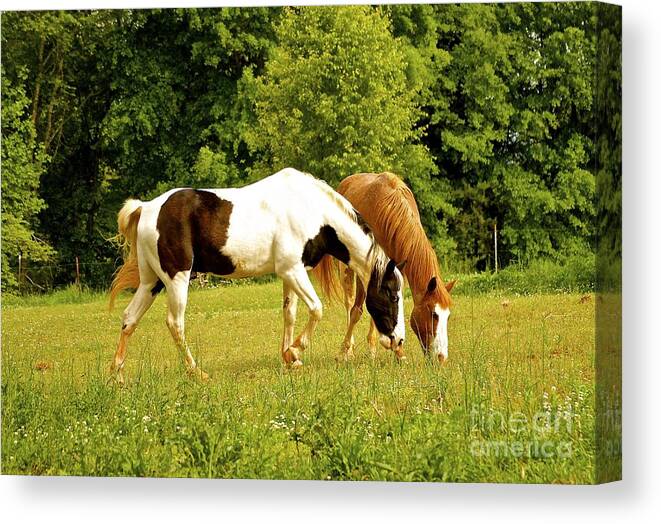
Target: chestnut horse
[(283, 224), (389, 207)]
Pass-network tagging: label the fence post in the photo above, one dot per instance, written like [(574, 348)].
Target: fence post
[(495, 246), (20, 268), (77, 274)]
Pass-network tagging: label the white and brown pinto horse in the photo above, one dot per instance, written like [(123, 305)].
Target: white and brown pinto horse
[(283, 224), (387, 204)]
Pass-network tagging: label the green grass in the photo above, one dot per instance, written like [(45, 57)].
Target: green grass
[(67, 295), (573, 274), (512, 359)]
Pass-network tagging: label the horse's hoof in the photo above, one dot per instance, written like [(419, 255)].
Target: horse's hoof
[(115, 375), (198, 374), (116, 379), (291, 355), (119, 381), (344, 356), (296, 364)]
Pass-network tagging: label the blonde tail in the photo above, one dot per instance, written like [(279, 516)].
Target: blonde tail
[(128, 275), (327, 273)]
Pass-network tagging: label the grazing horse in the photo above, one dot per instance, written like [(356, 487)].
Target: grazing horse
[(283, 224), (388, 206)]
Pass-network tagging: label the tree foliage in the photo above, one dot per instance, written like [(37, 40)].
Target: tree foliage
[(509, 126), (334, 98), (23, 163), (488, 111)]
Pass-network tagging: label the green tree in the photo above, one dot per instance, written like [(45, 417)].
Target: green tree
[(174, 92), (334, 99), (488, 112), (69, 95), (608, 144), (23, 163), (128, 103), (544, 167), (508, 122)]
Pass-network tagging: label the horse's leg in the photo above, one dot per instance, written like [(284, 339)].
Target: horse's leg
[(289, 303), (348, 288), (372, 338), (177, 297), (355, 313), (299, 282), (349, 297), (139, 304)]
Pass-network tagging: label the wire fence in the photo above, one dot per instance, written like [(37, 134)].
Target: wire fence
[(43, 277)]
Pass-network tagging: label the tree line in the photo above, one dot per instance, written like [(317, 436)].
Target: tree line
[(487, 111)]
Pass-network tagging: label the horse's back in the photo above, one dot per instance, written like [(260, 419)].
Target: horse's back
[(368, 192), (238, 232)]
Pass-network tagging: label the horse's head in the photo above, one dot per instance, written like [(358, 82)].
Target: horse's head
[(386, 305), (429, 320)]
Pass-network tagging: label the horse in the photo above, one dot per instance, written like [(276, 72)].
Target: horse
[(389, 207), (282, 224)]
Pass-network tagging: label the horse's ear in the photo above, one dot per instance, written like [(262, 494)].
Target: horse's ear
[(431, 287), (450, 285), (390, 268), (401, 265)]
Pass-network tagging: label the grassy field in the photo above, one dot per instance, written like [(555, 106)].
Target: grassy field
[(514, 403)]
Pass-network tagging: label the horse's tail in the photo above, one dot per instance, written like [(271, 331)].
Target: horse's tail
[(128, 275), (327, 272)]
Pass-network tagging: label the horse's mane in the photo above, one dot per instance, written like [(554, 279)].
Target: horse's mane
[(398, 223), (327, 271), (340, 201)]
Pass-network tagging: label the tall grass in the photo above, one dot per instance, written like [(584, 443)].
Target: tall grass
[(368, 419), (72, 294), (575, 274)]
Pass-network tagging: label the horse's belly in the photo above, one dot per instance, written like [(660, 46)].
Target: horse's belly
[(248, 268), (249, 260)]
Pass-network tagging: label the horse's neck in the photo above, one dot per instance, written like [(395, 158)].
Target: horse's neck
[(415, 280), (420, 270), (359, 245)]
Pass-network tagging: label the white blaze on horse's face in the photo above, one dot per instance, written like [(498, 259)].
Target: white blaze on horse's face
[(439, 344)]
